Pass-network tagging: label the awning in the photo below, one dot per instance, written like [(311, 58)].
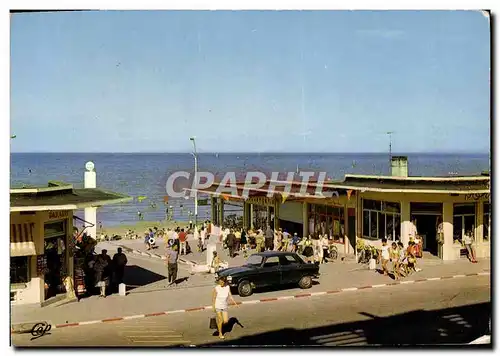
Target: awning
[(21, 240)]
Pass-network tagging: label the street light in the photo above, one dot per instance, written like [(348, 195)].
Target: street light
[(195, 155)]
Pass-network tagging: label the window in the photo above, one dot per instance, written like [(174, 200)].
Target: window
[(272, 261), (328, 220), (464, 216), (381, 219), (288, 260), (254, 260), (55, 229), (486, 221), (19, 269)]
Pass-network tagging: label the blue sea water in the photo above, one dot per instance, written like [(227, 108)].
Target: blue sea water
[(144, 174)]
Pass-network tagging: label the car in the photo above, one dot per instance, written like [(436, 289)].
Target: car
[(270, 268)]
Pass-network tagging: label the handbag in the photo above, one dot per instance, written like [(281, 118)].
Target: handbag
[(213, 324)]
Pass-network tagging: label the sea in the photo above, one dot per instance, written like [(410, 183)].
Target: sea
[(143, 175)]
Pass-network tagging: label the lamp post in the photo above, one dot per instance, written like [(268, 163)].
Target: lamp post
[(195, 155)]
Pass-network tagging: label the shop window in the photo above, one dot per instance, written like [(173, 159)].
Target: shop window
[(55, 229), (327, 220), (486, 221), (464, 217), (19, 269), (381, 220)]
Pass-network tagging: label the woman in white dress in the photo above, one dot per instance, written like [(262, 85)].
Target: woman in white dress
[(220, 296)]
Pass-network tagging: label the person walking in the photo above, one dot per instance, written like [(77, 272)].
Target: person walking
[(172, 266), (385, 256), (119, 263), (221, 294), (182, 240)]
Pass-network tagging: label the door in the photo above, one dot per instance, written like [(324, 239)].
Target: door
[(270, 273), (351, 228), (290, 269)]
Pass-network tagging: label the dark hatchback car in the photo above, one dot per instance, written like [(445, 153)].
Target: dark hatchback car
[(268, 269)]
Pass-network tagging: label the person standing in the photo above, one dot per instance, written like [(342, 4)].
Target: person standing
[(237, 240), (102, 268), (231, 242), (172, 264), (221, 294), (119, 263), (467, 241), (182, 240), (269, 238), (317, 248)]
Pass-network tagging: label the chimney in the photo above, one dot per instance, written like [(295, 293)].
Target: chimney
[(399, 166)]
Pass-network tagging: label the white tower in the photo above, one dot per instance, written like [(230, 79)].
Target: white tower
[(90, 213)]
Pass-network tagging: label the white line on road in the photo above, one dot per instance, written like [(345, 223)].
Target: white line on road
[(318, 293), (134, 317), (250, 301), (90, 322), (459, 276), (434, 279), (348, 289), (379, 285), (406, 282)]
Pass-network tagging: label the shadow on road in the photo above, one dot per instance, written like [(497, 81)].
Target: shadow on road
[(136, 276), (458, 325)]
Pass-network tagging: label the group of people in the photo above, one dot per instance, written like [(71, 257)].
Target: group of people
[(104, 272), (403, 260)]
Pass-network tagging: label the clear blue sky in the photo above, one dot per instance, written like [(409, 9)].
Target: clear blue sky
[(331, 81)]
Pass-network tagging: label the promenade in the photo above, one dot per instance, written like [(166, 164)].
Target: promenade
[(149, 294)]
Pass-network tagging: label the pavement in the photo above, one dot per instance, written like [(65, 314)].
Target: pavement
[(152, 296), (451, 311)]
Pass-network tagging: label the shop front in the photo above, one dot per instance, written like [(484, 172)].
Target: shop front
[(41, 239)]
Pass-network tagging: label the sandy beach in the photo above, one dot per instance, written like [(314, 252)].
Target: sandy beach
[(140, 227)]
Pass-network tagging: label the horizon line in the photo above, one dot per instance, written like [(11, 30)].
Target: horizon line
[(251, 152)]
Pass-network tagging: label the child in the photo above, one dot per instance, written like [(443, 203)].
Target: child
[(325, 245), (385, 257), (394, 257)]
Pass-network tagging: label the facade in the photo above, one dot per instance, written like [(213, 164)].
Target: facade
[(41, 237), (370, 208)]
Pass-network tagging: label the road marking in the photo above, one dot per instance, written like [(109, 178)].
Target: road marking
[(348, 289), (134, 317), (208, 307)]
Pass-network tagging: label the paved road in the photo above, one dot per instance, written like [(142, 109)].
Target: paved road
[(435, 312)]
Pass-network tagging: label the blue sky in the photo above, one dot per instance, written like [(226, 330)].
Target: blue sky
[(330, 81)]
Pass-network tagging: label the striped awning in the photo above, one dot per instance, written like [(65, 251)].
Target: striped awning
[(22, 242)]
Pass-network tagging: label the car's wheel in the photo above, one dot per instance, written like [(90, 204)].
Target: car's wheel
[(305, 282), (245, 289)]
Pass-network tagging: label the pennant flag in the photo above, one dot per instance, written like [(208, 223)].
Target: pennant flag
[(284, 196), (349, 192), (165, 199), (225, 197), (141, 198)]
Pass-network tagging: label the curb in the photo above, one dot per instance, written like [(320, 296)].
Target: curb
[(266, 300)]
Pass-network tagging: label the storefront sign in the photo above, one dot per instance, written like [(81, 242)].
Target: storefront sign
[(260, 201), (58, 214), (482, 196)]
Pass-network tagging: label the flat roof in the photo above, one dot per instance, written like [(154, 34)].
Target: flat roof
[(64, 198)]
